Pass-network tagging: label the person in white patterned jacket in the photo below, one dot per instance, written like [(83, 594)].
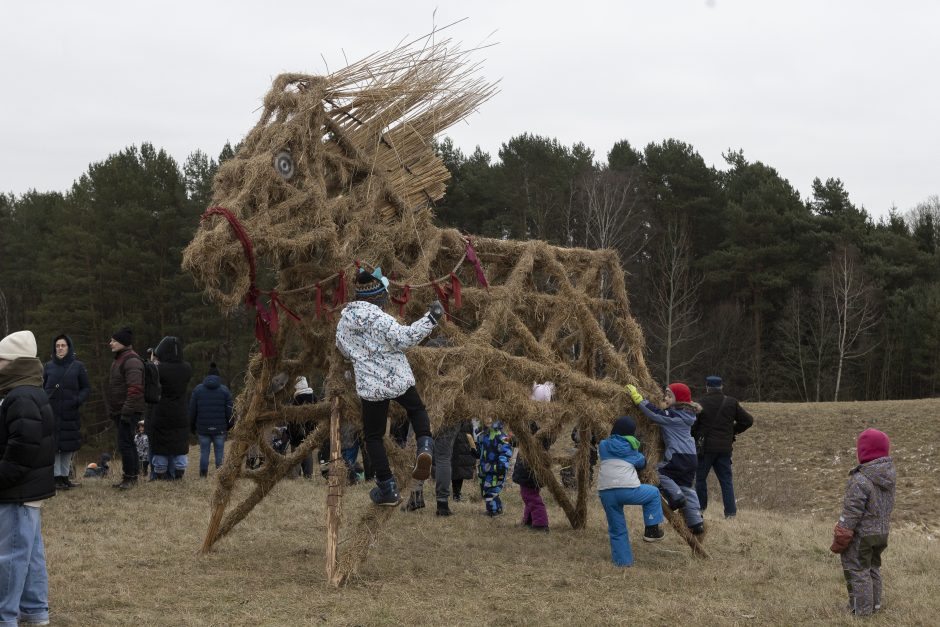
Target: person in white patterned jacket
[(375, 343)]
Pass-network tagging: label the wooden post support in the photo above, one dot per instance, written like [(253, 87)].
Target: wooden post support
[(334, 497)]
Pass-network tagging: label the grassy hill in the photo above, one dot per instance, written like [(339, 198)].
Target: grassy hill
[(121, 558)]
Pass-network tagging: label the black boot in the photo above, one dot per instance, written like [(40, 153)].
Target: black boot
[(423, 460), (653, 533), (203, 474), (385, 493), (61, 483), (443, 509), (179, 474), (126, 483), (415, 501), (161, 476), (674, 501), (698, 529)]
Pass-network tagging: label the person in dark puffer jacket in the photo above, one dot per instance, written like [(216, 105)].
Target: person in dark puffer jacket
[(66, 383), (27, 455), (169, 433), (463, 461), (210, 410), (861, 534)]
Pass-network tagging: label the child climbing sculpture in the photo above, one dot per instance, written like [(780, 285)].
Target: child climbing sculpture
[(374, 342)]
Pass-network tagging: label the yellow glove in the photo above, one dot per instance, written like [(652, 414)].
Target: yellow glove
[(634, 393)]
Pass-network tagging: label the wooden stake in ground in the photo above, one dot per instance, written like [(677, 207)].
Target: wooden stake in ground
[(334, 496)]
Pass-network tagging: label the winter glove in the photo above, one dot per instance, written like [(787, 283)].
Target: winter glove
[(841, 539), (435, 311), (634, 393)]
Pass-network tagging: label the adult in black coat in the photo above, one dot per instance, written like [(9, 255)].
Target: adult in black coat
[(169, 431), (463, 461), (66, 383), (27, 452), (722, 418)]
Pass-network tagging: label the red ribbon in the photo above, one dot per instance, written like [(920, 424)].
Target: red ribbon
[(339, 294), (403, 299), (477, 266), (266, 321), (455, 290), (442, 296)]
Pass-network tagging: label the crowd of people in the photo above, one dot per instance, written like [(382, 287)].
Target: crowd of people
[(154, 417)]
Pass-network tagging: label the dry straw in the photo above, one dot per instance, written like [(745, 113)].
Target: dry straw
[(364, 177)]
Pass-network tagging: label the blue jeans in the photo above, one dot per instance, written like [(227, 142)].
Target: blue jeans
[(613, 501), (205, 441), (24, 583), (721, 462), (161, 463)]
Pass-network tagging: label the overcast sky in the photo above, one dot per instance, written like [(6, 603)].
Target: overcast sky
[(844, 89)]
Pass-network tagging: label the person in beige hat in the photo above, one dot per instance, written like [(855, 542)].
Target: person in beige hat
[(27, 455)]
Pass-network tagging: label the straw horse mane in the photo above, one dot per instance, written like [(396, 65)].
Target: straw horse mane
[(339, 173)]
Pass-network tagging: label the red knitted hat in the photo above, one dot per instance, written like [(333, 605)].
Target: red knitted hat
[(872, 444), (681, 392)]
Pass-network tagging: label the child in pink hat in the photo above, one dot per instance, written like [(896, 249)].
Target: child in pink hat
[(861, 534)]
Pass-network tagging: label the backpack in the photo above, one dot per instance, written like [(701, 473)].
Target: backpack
[(152, 389)]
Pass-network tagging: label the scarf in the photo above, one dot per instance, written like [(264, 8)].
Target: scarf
[(22, 371)]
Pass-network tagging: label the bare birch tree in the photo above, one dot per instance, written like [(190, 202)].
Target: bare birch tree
[(855, 310), (612, 207), (675, 300)]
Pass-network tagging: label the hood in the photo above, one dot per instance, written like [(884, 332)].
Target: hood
[(212, 381), (358, 312), (169, 350), (619, 446), (880, 472), (687, 411), (68, 356)]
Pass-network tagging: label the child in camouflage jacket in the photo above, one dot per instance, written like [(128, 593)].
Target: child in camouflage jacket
[(862, 531), (495, 453)]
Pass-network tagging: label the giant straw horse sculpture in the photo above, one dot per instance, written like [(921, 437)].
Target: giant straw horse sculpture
[(340, 173)]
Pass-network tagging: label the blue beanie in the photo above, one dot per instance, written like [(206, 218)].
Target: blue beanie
[(625, 425), (714, 381)]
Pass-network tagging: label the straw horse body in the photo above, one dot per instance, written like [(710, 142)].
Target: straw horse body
[(339, 173)]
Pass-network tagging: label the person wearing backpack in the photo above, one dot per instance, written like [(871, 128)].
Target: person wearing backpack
[(125, 401), (169, 433), (721, 419)]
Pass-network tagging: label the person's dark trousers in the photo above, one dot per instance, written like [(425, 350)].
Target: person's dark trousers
[(367, 469), (130, 465), (375, 420), (443, 453), (721, 462), (399, 432), (296, 438), (457, 486)]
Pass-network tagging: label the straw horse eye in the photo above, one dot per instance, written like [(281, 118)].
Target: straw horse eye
[(284, 164)]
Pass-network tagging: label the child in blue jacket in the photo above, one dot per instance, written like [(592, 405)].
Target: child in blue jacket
[(677, 470), (495, 453), (618, 484)]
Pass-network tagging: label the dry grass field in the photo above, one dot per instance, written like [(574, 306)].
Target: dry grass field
[(131, 558)]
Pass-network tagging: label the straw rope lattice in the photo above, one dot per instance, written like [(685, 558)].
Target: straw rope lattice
[(342, 168)]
